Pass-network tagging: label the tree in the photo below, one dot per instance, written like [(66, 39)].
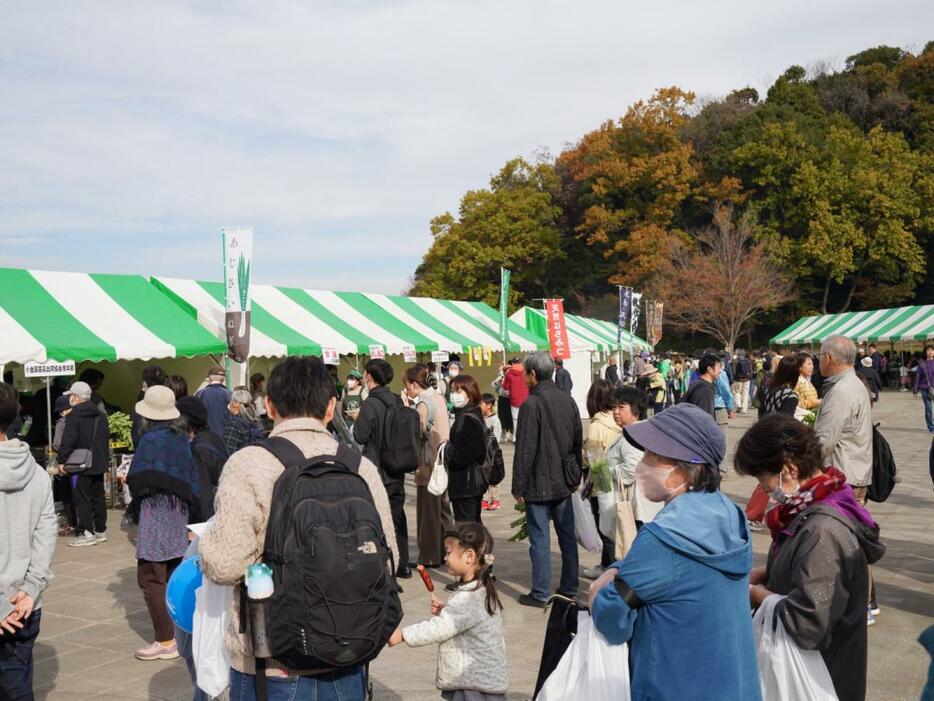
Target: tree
[(514, 224), (718, 283)]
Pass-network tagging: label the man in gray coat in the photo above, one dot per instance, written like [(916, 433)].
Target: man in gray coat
[(844, 422), (27, 541)]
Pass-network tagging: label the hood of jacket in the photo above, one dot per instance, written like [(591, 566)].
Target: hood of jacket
[(867, 536), (86, 409), (16, 465), (513, 370), (605, 420), (708, 528)]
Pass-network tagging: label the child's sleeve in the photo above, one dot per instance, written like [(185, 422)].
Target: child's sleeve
[(456, 617)]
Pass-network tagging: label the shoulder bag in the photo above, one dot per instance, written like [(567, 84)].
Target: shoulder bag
[(438, 484), (82, 459)]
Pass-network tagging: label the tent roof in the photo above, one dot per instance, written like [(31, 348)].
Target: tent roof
[(584, 334), (914, 323), (78, 316), (292, 321)]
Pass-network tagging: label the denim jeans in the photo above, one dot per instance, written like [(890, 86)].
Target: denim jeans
[(346, 686), (928, 410), (537, 515), (16, 660), (183, 641)]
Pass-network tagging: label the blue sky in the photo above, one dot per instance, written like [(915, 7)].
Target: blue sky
[(131, 132)]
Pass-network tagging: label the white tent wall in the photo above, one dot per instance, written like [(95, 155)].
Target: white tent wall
[(581, 369)]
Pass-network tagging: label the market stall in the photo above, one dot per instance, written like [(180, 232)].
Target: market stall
[(903, 325)]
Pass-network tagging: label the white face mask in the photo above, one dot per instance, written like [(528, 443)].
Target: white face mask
[(454, 372), (653, 482), (459, 400)]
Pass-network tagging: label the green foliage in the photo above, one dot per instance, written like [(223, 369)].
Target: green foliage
[(121, 426)]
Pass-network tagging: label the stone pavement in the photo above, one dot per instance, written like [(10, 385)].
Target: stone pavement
[(93, 616)]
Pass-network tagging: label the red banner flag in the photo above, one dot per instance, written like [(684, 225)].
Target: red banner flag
[(557, 329)]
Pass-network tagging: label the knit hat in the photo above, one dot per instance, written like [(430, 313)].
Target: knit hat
[(684, 432), (193, 409), (158, 404)]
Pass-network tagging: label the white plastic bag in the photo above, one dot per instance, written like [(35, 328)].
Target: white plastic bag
[(606, 503), (786, 672), (590, 668), (212, 604), (584, 526), (438, 483)]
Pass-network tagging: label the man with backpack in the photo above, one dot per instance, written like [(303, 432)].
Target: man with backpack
[(300, 481), (390, 434), (742, 374)]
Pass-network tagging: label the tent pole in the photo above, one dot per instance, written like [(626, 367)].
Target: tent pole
[(48, 408)]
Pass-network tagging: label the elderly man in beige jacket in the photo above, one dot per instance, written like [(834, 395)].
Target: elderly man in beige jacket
[(844, 422), (300, 400)]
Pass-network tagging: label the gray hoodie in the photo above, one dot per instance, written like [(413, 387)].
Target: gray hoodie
[(27, 525)]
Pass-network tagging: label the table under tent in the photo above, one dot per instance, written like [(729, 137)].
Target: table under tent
[(592, 341)]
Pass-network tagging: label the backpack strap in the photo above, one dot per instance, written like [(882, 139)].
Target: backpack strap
[(290, 455)]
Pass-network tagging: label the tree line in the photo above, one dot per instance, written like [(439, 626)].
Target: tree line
[(827, 182)]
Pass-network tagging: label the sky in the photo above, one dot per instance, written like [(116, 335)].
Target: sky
[(131, 133)]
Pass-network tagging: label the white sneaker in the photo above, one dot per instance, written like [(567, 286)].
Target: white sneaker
[(85, 538), (100, 537), (592, 572)]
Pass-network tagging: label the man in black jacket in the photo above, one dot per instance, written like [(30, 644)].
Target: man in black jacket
[(368, 432), (87, 428), (563, 377), (546, 471), (702, 392)]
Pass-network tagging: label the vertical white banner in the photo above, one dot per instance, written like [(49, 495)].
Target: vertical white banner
[(238, 263)]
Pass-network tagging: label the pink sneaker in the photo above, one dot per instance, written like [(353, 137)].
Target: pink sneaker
[(157, 651)]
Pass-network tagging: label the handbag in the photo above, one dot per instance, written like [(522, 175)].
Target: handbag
[(626, 530), (438, 483), (82, 459)]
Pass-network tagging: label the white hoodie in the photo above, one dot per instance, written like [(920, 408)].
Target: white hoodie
[(27, 525)]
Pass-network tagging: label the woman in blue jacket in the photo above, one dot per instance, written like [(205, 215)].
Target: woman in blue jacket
[(681, 595)]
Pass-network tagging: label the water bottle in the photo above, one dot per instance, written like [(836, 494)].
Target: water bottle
[(259, 587)]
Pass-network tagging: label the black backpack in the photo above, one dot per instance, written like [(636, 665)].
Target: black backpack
[(335, 602), (400, 438), (492, 468), (883, 467), (742, 369)]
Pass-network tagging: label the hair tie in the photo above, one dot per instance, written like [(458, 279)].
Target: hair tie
[(488, 559)]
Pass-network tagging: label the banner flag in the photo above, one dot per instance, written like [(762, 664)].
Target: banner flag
[(557, 329), (238, 259), (504, 307), (634, 319), (625, 305), (653, 321)]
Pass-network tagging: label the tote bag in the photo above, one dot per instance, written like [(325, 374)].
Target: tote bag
[(625, 520), (438, 484)]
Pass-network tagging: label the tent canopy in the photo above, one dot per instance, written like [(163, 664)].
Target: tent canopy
[(584, 334), (902, 324), (77, 316), (291, 321)]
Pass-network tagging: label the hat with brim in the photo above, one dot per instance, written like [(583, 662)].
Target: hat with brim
[(866, 362), (82, 390), (217, 371), (158, 404), (648, 370), (193, 409), (62, 403), (684, 432)]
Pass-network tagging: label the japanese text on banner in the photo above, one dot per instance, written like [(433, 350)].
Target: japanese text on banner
[(557, 329)]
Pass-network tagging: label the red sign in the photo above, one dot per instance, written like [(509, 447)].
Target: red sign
[(557, 329)]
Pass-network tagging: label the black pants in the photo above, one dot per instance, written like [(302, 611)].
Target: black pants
[(466, 510), (395, 490), (16, 660), (62, 491), (504, 411), (91, 504), (608, 554)]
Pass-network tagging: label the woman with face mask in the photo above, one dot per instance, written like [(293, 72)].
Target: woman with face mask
[(354, 394), (681, 595), (466, 450), (822, 544)]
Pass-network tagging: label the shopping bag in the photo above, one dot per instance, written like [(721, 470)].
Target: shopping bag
[(590, 668), (758, 501), (606, 508), (584, 526), (559, 632), (212, 604), (625, 523), (786, 672), (438, 482)]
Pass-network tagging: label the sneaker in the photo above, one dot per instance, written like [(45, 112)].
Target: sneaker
[(874, 608), (494, 505), (870, 617), (82, 540), (100, 537), (592, 572), (157, 651), (484, 504), (529, 600)]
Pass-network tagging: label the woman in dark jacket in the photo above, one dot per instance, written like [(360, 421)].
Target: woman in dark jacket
[(822, 544), (778, 397), (466, 450)]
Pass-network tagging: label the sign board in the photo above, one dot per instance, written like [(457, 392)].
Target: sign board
[(330, 356), (557, 329), (408, 353), (377, 352), (238, 260), (440, 356), (49, 369)]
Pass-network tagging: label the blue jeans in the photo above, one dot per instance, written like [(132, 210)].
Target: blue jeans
[(344, 686), (537, 515), (183, 642), (16, 660), (928, 410)]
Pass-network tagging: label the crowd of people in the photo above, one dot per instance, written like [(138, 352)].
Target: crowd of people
[(302, 447)]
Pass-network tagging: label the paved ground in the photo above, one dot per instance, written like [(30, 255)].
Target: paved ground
[(94, 618)]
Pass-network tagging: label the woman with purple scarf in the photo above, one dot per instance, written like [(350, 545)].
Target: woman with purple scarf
[(822, 544)]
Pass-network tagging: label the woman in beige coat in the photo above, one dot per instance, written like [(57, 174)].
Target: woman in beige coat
[(433, 514), (601, 434)]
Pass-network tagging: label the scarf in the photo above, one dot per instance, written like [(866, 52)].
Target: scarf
[(163, 469), (814, 491)]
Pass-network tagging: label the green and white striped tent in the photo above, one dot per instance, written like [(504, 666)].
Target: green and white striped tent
[(76, 316), (907, 324), (291, 321), (584, 334)]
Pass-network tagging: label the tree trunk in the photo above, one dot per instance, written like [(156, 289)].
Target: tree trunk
[(826, 295), (856, 277)]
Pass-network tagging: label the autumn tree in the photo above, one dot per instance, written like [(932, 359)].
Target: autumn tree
[(513, 224), (720, 280)]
